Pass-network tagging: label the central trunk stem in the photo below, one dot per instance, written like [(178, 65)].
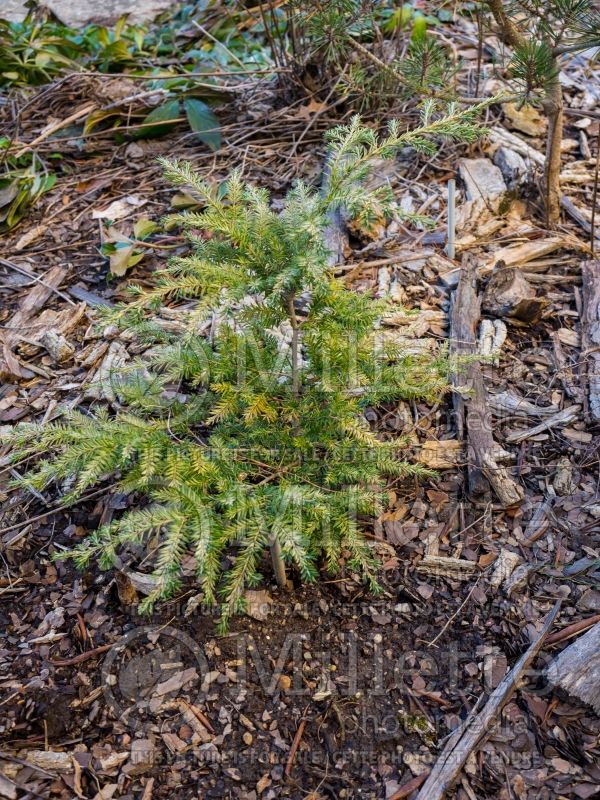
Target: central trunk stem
[(278, 562), (553, 106)]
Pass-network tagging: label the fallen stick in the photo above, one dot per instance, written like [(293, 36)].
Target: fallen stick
[(410, 787), (294, 748), (57, 126), (577, 668), (575, 213), (458, 748), (67, 662), (565, 370), (539, 522)]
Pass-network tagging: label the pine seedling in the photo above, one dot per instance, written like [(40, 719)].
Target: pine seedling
[(541, 34), (331, 35), (254, 437)]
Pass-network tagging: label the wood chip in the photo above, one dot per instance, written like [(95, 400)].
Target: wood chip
[(446, 567)]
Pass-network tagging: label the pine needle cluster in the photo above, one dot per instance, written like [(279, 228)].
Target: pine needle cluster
[(253, 436), (541, 32), (344, 38)]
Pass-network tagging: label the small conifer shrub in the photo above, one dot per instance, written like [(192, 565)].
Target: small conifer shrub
[(253, 436)]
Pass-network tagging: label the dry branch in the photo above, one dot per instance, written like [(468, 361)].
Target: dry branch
[(564, 417)]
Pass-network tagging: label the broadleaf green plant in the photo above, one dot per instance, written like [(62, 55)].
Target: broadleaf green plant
[(248, 432), (23, 181)]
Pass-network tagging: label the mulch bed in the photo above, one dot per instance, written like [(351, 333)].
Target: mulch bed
[(322, 691)]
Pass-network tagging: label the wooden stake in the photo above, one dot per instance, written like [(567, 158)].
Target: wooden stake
[(590, 333)]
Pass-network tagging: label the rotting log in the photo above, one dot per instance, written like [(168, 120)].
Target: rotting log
[(577, 668), (471, 404), (590, 333)]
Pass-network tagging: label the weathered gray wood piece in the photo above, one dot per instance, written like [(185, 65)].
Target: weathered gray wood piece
[(590, 332), (477, 727), (577, 668)]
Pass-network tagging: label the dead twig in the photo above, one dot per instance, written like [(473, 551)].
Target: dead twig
[(67, 662), (572, 630), (410, 787), (295, 744), (57, 126)]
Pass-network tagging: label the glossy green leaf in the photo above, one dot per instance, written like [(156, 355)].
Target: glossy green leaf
[(167, 113), (116, 52), (144, 227), (203, 122)]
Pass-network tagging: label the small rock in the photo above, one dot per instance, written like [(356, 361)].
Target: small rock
[(133, 150), (512, 166), (582, 123), (415, 763), (263, 783), (77, 15), (481, 177)]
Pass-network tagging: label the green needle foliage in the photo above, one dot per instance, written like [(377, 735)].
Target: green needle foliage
[(541, 33), (253, 436), (342, 41)]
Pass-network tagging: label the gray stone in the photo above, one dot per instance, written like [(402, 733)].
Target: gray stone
[(82, 12), (482, 179), (512, 166)]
